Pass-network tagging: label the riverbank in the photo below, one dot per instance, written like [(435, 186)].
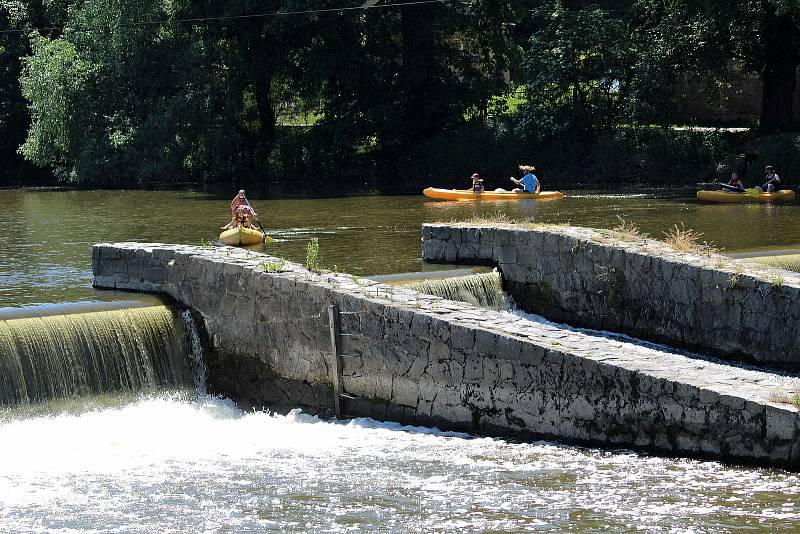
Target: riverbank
[(630, 157)]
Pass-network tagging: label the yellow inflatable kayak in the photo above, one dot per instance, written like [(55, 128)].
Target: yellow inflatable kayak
[(784, 195), (469, 194), (241, 236)]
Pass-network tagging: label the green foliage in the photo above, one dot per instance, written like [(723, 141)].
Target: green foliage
[(575, 73), (106, 99), (54, 80), (680, 154), (702, 38), (277, 266), (313, 258), (18, 18), (419, 88)]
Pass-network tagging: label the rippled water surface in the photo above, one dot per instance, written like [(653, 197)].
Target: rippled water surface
[(45, 250), (173, 463)]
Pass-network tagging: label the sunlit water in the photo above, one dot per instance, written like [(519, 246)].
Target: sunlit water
[(179, 462), (45, 249), (173, 463)]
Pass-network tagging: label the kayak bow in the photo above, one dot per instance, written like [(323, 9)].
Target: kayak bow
[(241, 236)]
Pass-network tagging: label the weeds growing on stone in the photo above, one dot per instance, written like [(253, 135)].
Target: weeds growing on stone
[(683, 240), (776, 281), (788, 262), (491, 218), (786, 397), (735, 280), (501, 219), (627, 231), (313, 258), (278, 266)]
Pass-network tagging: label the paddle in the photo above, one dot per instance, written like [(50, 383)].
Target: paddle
[(750, 191), (267, 239)]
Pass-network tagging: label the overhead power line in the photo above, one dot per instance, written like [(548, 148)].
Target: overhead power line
[(368, 4)]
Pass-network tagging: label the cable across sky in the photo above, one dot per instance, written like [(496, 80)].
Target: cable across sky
[(369, 4)]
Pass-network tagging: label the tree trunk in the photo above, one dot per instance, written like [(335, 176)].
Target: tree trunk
[(425, 105), (779, 76), (264, 71)]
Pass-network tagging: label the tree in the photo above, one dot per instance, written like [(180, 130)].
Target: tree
[(703, 37), (576, 72), (17, 19), (400, 75), (118, 101)]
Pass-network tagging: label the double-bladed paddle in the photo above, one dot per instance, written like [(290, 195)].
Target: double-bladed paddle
[(267, 239)]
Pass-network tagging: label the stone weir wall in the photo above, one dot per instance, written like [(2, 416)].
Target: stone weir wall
[(595, 279), (419, 359)]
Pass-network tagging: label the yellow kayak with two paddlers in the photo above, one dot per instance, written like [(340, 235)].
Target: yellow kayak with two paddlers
[(241, 236), (469, 194), (731, 197)]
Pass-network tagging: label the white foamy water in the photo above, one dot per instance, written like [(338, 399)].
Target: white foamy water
[(169, 463)]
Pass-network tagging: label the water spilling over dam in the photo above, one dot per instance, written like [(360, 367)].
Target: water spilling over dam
[(46, 357), (484, 290)]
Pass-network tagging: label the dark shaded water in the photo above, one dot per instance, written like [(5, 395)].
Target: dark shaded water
[(45, 250)]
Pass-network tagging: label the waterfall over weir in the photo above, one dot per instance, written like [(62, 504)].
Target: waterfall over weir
[(88, 353), (485, 290)]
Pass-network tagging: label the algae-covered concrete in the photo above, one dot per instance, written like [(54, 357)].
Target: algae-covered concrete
[(424, 360), (642, 287)]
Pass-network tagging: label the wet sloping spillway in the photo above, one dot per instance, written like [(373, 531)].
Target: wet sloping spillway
[(484, 290), (46, 357)]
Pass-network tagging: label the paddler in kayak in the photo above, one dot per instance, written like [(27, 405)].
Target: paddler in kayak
[(529, 182), (244, 215), (238, 200), (477, 183), (734, 184), (773, 182)]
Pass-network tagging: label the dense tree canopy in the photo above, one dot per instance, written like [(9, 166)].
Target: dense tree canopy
[(125, 92)]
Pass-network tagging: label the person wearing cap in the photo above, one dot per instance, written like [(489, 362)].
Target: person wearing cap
[(243, 215), (773, 182), (529, 182), (477, 183), (238, 200)]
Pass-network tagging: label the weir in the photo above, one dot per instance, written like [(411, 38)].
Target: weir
[(420, 359), (45, 357), (484, 290), (642, 287)]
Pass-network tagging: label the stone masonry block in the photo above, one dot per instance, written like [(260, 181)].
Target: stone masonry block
[(781, 422)]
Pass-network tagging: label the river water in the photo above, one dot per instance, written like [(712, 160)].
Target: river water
[(184, 462), (174, 463), (45, 250)]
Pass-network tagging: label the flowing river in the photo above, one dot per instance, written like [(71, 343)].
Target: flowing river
[(180, 461)]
